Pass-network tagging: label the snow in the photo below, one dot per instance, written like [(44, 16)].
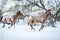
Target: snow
[(19, 31)]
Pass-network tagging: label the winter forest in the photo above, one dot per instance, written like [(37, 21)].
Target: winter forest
[(29, 19)]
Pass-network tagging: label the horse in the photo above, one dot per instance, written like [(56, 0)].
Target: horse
[(12, 20), (40, 19)]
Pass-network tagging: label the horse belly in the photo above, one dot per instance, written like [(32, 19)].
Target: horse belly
[(39, 20), (7, 21)]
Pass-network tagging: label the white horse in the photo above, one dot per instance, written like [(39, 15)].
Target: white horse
[(40, 19)]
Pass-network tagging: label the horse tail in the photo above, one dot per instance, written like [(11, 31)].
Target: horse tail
[(1, 18), (26, 20)]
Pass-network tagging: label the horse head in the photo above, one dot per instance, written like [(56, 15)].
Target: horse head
[(19, 13), (48, 12)]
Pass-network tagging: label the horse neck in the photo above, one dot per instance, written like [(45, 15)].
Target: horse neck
[(15, 17), (46, 15)]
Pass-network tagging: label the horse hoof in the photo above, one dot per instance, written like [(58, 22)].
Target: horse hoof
[(39, 29), (33, 29), (2, 26), (8, 27)]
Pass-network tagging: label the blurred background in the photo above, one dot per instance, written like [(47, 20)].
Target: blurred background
[(31, 7)]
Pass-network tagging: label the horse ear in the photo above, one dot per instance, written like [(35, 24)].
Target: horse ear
[(18, 12)]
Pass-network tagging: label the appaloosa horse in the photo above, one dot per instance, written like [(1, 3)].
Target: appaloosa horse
[(13, 20), (40, 19)]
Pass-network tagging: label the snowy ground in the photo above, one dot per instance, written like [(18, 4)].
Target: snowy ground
[(23, 32)]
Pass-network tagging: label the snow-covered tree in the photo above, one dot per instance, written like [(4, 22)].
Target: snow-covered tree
[(29, 6)]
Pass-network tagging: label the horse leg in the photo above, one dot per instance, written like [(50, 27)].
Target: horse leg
[(10, 26), (3, 25), (32, 21), (12, 23), (18, 20), (4, 22), (42, 26)]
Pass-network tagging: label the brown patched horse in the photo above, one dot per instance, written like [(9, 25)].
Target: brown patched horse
[(40, 19), (13, 20)]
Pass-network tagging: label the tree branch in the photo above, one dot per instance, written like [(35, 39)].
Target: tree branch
[(36, 4), (41, 2), (28, 5), (57, 12)]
